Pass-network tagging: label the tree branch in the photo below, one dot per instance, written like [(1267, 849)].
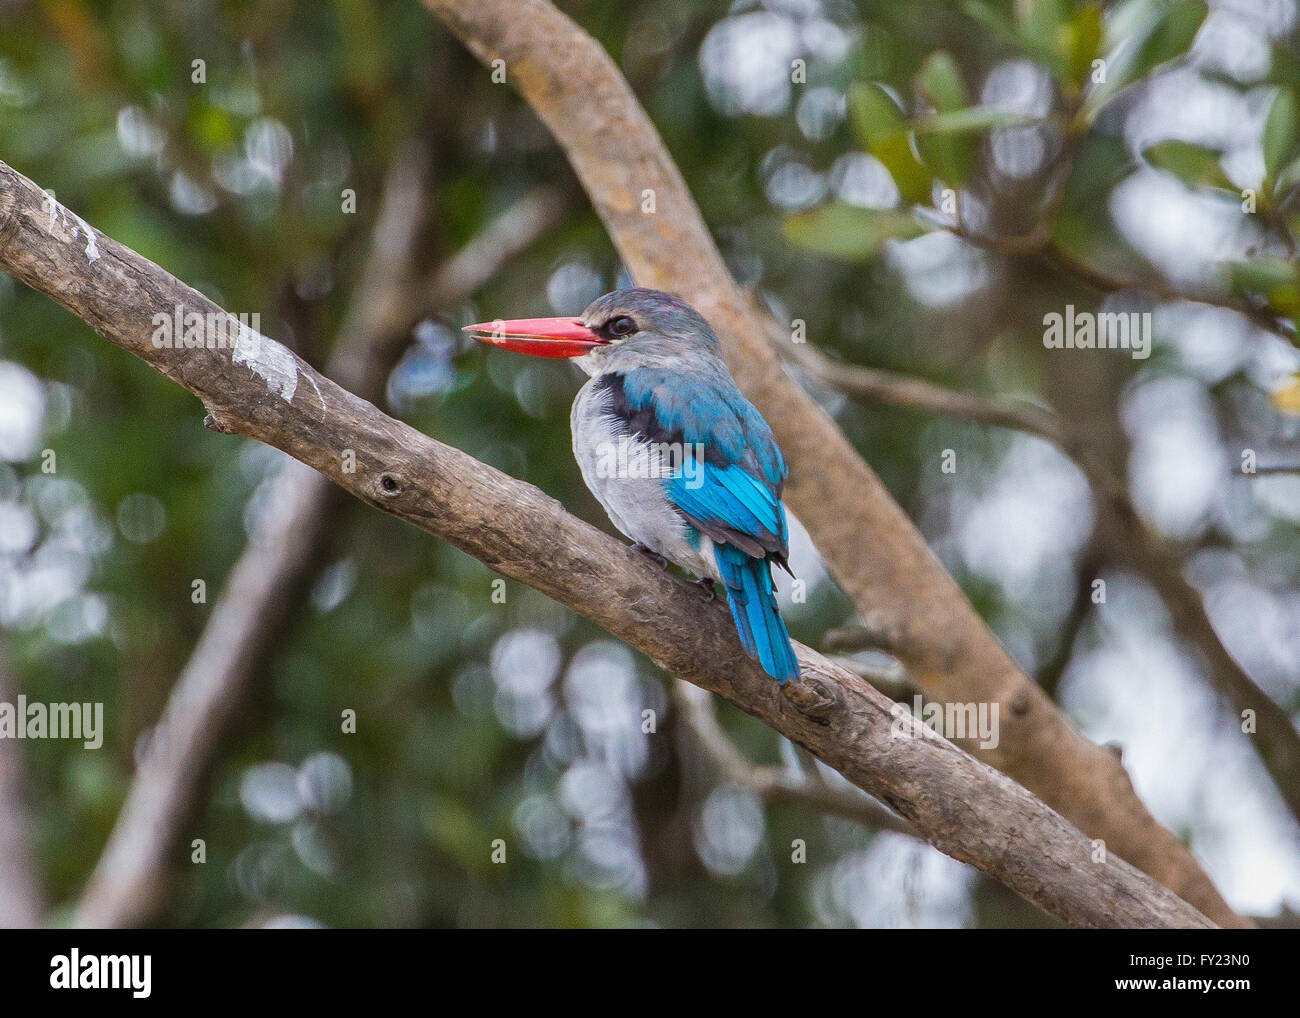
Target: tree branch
[(1104, 281), (777, 784), (870, 547), (1040, 246), (961, 806), (898, 390)]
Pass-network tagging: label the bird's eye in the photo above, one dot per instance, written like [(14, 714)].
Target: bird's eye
[(622, 326)]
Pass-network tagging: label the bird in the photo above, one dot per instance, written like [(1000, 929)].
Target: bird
[(682, 463)]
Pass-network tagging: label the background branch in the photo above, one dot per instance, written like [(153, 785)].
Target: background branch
[(1040, 247), (777, 784), (870, 546), (898, 390)]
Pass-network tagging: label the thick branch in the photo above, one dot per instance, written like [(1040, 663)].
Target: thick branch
[(961, 806), (870, 547)]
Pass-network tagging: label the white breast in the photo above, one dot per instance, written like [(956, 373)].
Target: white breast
[(626, 476)]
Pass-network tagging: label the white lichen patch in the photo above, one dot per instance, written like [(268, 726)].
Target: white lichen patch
[(61, 214), (269, 360), (92, 247)]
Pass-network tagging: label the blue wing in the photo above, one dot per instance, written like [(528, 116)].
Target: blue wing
[(729, 489), (744, 518), (731, 506), (706, 410), (731, 483)]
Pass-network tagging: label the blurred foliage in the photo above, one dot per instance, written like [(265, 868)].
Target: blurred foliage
[(478, 720)]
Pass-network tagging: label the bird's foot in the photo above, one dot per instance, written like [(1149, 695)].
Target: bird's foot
[(706, 585), (649, 552)]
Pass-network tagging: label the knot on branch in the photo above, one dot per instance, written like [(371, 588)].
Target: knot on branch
[(392, 492), (1021, 703), (216, 421), (812, 697)]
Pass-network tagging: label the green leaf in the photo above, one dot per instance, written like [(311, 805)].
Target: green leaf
[(1272, 277), (1172, 35), (881, 129), (849, 233), (993, 19), (1288, 178), (951, 157), (1280, 132), (1083, 46), (873, 113), (940, 81), (1284, 66), (947, 144), (1167, 34), (910, 175), (1042, 27), (1194, 165), (972, 120)]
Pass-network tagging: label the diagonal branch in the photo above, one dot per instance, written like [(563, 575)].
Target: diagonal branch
[(1104, 281), (131, 879), (870, 547), (960, 805)]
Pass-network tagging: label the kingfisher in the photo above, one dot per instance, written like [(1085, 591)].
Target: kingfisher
[(682, 463)]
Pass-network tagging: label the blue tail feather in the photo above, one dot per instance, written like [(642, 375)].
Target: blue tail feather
[(753, 607)]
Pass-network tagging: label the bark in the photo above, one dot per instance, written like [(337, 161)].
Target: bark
[(870, 547), (960, 805)]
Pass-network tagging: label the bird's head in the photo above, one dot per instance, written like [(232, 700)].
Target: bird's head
[(634, 325)]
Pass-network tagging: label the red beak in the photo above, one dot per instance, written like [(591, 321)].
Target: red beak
[(540, 337)]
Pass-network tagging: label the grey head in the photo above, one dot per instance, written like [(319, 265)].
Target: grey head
[(643, 326)]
